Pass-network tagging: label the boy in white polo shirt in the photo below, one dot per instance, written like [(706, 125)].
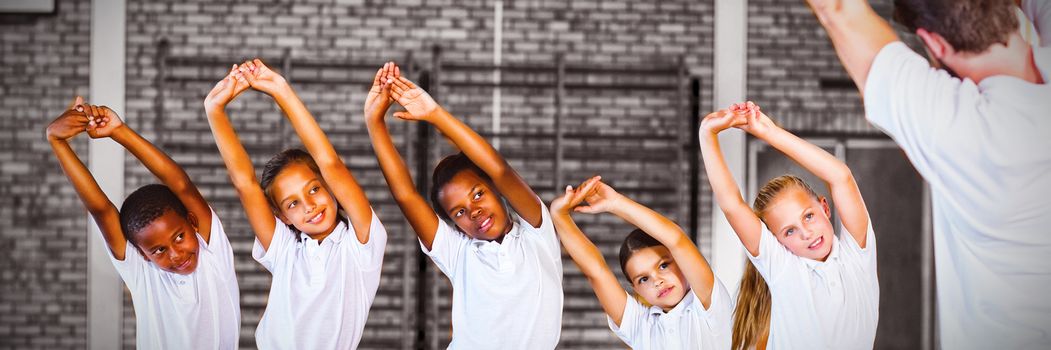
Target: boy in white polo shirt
[(506, 272), (975, 122), (165, 242)]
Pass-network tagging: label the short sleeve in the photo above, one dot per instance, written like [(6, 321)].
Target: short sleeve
[(219, 244), (279, 245), (867, 254), (447, 248), (546, 232), (633, 315), (369, 255), (132, 268), (911, 101), (719, 315), (773, 257)]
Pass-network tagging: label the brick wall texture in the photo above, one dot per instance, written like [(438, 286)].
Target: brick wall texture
[(631, 128), (43, 280)]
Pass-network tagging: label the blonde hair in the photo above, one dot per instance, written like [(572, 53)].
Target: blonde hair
[(774, 187), (752, 315)]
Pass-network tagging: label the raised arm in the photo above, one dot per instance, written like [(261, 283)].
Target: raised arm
[(238, 164), (158, 163), (857, 33), (420, 215), (609, 292), (845, 193), (66, 126), (698, 273), (420, 106), (340, 181), (744, 222)]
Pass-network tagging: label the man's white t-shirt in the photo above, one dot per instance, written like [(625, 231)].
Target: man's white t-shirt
[(201, 310), (686, 326), (321, 294), (985, 151), (505, 295), (821, 305)]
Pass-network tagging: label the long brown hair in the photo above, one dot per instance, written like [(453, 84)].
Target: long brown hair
[(752, 315)]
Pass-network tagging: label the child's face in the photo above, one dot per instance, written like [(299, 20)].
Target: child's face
[(801, 223), (170, 242), (303, 201), (655, 276), (474, 206)]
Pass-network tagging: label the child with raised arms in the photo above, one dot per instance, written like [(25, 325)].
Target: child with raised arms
[(824, 290), (506, 271), (166, 243), (678, 301), (315, 230)]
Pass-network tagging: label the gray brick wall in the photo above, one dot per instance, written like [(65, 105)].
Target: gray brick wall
[(793, 71), (43, 271)]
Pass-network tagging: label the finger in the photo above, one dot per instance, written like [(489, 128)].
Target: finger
[(587, 209), (400, 84), (87, 111), (258, 64), (77, 101), (403, 115), (397, 71), (379, 76), (589, 186)]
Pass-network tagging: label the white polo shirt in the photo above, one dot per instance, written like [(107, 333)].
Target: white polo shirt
[(321, 293), (686, 326), (821, 305), (505, 295), (201, 310), (985, 151)]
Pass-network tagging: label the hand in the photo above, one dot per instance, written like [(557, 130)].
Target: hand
[(602, 199), (232, 85), (106, 121), (573, 197), (720, 120), (418, 104), (379, 98), (758, 124), (70, 123), (262, 78)]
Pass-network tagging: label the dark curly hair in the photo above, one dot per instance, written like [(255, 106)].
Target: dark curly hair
[(145, 205), (444, 172), (635, 241)]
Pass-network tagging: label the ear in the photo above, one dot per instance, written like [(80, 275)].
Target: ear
[(937, 47), (824, 207), (193, 221)]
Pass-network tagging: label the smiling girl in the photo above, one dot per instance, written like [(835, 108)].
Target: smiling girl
[(824, 291), (315, 230)]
